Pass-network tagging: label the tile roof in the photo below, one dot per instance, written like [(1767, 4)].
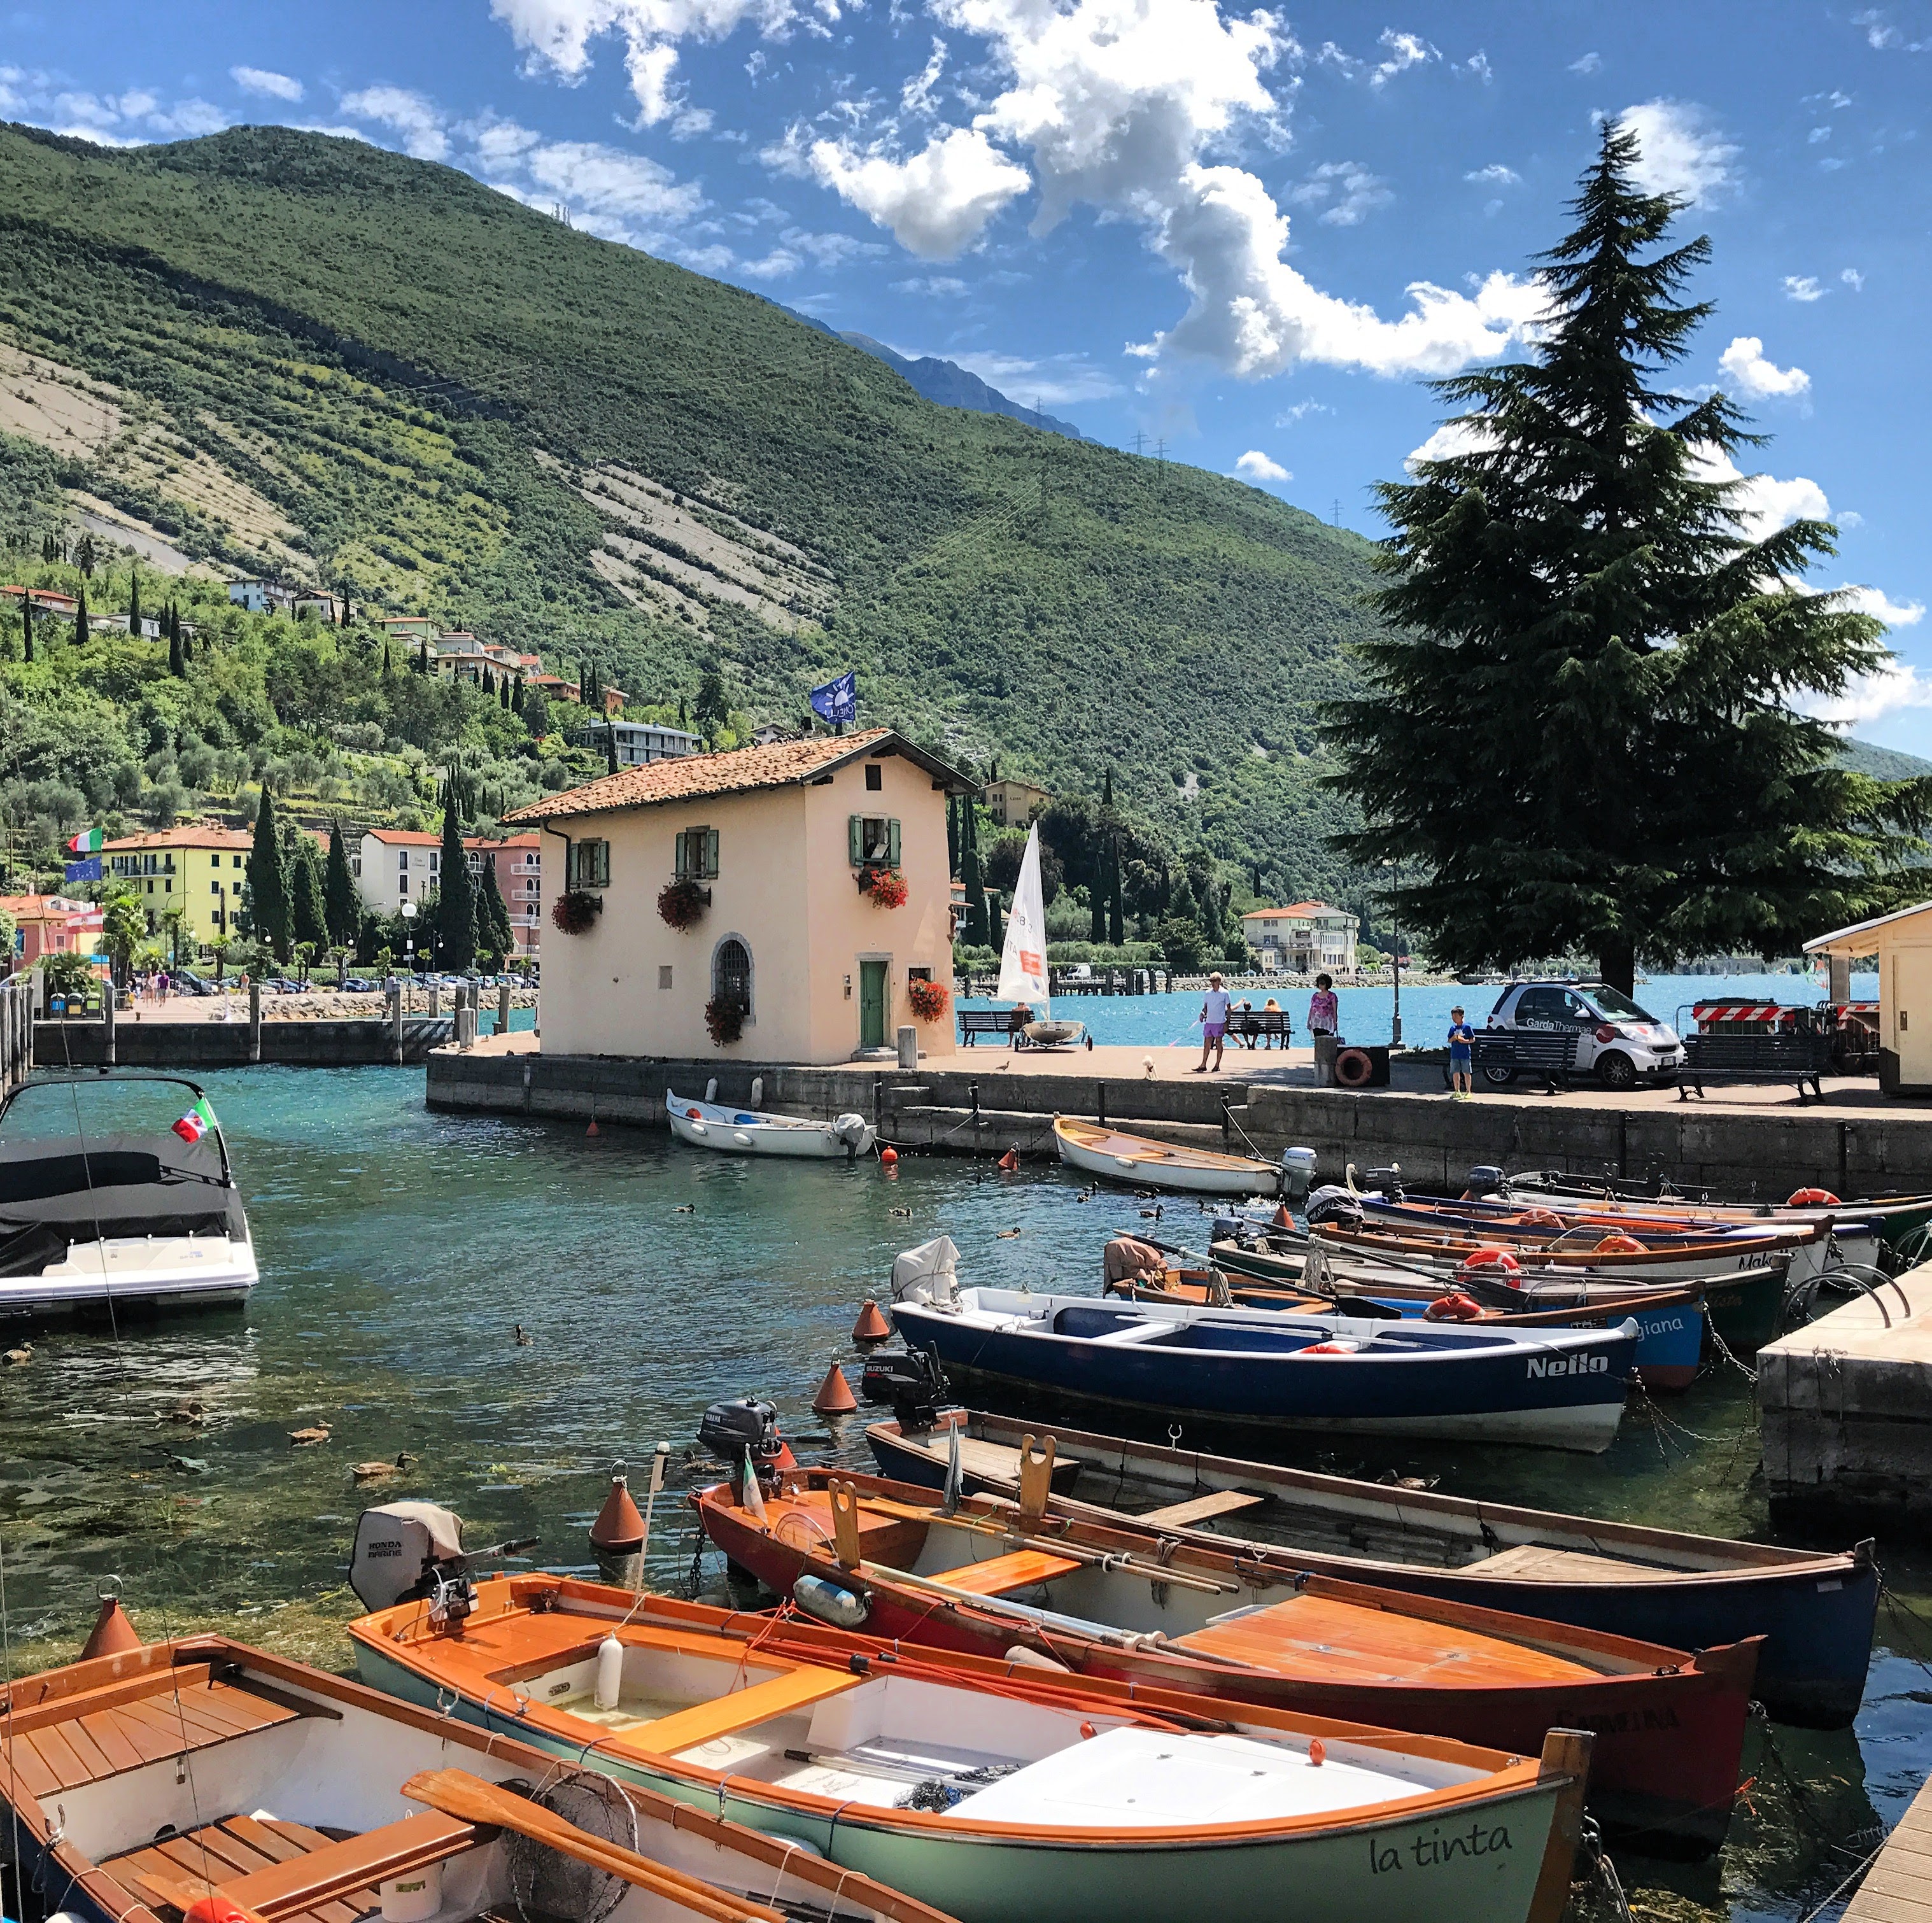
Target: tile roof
[(183, 834), (1293, 908), (414, 837), (736, 771)]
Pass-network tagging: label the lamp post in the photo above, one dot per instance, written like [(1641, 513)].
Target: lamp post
[(408, 914), (1395, 964)]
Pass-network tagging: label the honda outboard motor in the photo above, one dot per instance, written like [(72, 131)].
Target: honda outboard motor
[(1331, 1202), (399, 1550), (1297, 1175), (912, 1383)]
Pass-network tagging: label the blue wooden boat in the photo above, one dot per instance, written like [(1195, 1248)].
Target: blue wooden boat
[(1815, 1610), (1557, 1388)]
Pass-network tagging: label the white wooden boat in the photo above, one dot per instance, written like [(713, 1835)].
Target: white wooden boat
[(1115, 1156), (98, 1221), (747, 1131)]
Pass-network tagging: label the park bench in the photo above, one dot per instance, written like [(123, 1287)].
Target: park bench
[(1251, 1025), (1552, 1055), (1796, 1058), (1006, 1022)]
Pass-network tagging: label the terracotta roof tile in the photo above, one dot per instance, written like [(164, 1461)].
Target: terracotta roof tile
[(1293, 908), (736, 771), (183, 834)]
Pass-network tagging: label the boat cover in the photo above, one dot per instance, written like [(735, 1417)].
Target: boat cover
[(928, 1273), (54, 1191)]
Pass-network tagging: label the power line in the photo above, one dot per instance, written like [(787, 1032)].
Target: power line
[(1140, 442)]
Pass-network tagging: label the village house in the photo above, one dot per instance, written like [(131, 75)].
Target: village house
[(393, 866), (1902, 943), (459, 655), (257, 596), (45, 601), (1309, 936), (46, 924), (786, 852), (639, 743), (194, 870), (1013, 804)]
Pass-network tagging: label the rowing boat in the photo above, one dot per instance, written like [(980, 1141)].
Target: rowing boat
[(1138, 1160), (747, 1131), (1125, 1599), (994, 1789), (1816, 1610), (133, 1786)]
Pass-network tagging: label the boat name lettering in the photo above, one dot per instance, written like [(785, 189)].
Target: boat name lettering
[(1768, 1259), (1432, 1851), (1541, 1366)]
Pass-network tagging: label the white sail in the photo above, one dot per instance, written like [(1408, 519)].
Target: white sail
[(1023, 962)]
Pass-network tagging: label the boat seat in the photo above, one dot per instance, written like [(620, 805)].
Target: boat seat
[(1002, 1575), (1533, 1562), (1200, 1508), (1135, 1332), (761, 1702)]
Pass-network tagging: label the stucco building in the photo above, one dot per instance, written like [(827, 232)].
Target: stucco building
[(782, 843), (1309, 936), (195, 870)]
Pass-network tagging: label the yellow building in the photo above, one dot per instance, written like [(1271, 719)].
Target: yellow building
[(195, 871)]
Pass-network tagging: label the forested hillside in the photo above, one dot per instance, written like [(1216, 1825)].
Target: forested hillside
[(301, 354)]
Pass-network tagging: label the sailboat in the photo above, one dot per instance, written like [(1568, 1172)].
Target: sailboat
[(1023, 977)]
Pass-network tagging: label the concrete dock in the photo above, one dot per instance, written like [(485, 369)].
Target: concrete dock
[(1845, 1404)]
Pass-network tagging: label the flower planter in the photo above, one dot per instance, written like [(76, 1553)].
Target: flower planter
[(928, 999), (885, 885), (681, 904), (724, 1019), (575, 911)]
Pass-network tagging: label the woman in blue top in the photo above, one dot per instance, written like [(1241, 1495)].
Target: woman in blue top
[(1461, 1056)]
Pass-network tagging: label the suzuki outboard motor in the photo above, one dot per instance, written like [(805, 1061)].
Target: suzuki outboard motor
[(1484, 1179), (912, 1383)]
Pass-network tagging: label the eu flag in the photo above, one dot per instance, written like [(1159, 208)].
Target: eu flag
[(88, 870), (837, 700)]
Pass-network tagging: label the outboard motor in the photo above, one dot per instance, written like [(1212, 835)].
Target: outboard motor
[(402, 1551), (1484, 1180), (1331, 1202), (1386, 1183), (913, 1383), (927, 1275), (1230, 1229), (1297, 1175), (732, 1430), (850, 1129)]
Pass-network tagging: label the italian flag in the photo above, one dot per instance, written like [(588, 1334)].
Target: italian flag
[(88, 842), (196, 1122)]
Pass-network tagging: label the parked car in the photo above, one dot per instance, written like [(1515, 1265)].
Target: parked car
[(356, 986), (1619, 1042), (186, 981)]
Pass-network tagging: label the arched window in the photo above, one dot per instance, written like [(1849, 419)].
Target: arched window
[(731, 973)]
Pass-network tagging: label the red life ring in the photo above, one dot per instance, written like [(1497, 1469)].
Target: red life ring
[(1457, 1307), (695, 1115), (1331, 1348), (1811, 1198), (1353, 1068), (1618, 1245), (1491, 1257)]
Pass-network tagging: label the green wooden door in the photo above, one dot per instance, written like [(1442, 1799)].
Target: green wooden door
[(871, 1004)]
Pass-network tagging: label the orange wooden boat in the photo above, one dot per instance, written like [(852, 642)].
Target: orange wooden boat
[(1126, 1598)]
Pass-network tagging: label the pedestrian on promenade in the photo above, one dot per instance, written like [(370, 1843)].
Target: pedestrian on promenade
[(1213, 1023), (1324, 1009), (1461, 1058)]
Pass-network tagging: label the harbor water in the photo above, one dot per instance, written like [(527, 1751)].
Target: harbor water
[(400, 1252)]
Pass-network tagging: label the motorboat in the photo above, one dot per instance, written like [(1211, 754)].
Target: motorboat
[(106, 1221), (1121, 1598), (1816, 1609), (992, 1789), (750, 1132), (1140, 1162)]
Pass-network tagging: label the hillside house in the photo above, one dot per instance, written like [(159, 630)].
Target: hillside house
[(393, 866), (1309, 936), (782, 845), (639, 743), (1013, 804), (257, 596), (459, 655), (412, 628), (45, 600)]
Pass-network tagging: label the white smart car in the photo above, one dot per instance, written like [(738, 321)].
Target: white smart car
[(1620, 1043)]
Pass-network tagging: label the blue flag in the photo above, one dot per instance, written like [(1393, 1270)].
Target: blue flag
[(88, 870), (837, 700)]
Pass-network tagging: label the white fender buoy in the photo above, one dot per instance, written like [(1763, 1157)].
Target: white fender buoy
[(609, 1673)]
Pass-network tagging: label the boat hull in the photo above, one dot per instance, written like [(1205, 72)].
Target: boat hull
[(740, 1132), (1816, 1613), (125, 1274), (1177, 1169), (1334, 1876)]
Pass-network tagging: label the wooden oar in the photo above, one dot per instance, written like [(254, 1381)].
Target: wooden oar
[(457, 1793)]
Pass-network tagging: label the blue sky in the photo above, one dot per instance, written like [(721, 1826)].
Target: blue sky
[(1242, 237)]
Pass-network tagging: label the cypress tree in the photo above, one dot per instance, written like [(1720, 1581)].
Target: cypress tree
[(456, 905), (343, 907), (268, 881), (996, 935), (27, 626), (970, 874), (386, 668), (952, 835), (1116, 917), (583, 683), (133, 603), (1096, 899), (1642, 774), (493, 931), (80, 620), (422, 655), (1107, 788), (611, 745), (308, 904), (503, 692), (177, 661)]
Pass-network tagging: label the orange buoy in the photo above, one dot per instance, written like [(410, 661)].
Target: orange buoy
[(112, 1634), (592, 1129), (1282, 1219), (216, 1908), (1010, 1161), (1812, 1199), (871, 1327), (1317, 1752), (888, 1158), (835, 1395), (1618, 1245), (1490, 1257), (619, 1529), (1087, 1732)]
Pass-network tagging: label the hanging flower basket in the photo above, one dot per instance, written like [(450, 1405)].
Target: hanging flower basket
[(575, 911), (724, 1017), (681, 904), (886, 886), (928, 999)]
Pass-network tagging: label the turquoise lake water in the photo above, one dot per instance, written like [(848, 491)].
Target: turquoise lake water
[(399, 1249)]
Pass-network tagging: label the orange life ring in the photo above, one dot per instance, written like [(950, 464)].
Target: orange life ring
[(1330, 1348), (1455, 1307), (1353, 1068), (1540, 1218), (1490, 1257), (1811, 1198), (1618, 1245)]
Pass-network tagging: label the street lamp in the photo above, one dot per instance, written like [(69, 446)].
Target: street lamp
[(1395, 964), (408, 914)]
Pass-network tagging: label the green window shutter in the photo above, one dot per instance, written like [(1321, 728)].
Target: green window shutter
[(569, 864), (855, 835), (683, 866), (891, 844), (711, 853)]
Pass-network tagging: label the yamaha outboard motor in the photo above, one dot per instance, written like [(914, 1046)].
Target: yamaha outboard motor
[(1483, 1181), (1386, 1183), (912, 1383), (1331, 1202), (733, 1430)]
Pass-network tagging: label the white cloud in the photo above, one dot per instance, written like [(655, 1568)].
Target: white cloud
[(416, 120), (1288, 416), (1478, 63), (117, 120), (1346, 191), (605, 181), (1869, 697), (1453, 439), (1679, 153), (1495, 174), (260, 80), (1804, 287), (1059, 380), (190, 118), (1850, 517), (935, 286), (1255, 465), (1765, 503), (1401, 52), (1854, 280), (916, 97), (1588, 64), (936, 202), (1744, 362), (1874, 601)]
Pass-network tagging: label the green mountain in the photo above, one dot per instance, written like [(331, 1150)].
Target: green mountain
[(1884, 764), (308, 358)]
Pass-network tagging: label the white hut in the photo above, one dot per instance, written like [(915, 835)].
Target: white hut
[(1903, 942)]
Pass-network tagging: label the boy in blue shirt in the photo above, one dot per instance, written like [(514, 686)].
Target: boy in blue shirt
[(1461, 1056)]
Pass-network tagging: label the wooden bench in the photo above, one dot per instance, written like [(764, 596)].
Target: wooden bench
[(1800, 1059), (1549, 1054), (1253, 1025), (974, 1022), (1001, 1575)]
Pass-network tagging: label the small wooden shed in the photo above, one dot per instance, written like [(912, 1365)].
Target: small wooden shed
[(1903, 942)]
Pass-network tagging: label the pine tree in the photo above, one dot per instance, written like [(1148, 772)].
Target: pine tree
[(80, 621), (308, 904), (1579, 577), (456, 907), (494, 932), (268, 881), (343, 905)]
